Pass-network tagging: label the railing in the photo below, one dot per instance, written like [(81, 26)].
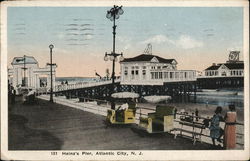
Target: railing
[(92, 105), (206, 132), (142, 111), (64, 87)]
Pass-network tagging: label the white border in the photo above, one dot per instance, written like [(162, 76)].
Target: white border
[(148, 155)]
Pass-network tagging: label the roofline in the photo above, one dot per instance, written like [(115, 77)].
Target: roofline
[(22, 57), (143, 61)]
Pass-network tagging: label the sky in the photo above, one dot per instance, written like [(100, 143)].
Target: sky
[(195, 36)]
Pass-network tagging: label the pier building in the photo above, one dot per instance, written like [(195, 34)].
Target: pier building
[(148, 69), (25, 72), (223, 75)]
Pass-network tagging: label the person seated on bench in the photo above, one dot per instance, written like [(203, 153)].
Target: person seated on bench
[(120, 112), (123, 106), (30, 97)]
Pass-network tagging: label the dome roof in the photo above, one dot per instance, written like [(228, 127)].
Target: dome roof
[(20, 60)]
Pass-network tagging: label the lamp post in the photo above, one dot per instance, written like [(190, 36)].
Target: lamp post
[(113, 14), (24, 69), (51, 78)]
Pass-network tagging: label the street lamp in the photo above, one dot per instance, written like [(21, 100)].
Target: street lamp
[(113, 14), (24, 69), (51, 79)]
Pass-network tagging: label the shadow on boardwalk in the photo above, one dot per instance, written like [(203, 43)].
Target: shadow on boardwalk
[(47, 126)]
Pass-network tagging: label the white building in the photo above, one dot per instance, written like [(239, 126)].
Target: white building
[(229, 69), (147, 69), (33, 73)]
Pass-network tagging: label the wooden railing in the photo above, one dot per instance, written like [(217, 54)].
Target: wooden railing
[(82, 85)]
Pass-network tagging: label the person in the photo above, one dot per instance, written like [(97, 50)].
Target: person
[(196, 114), (230, 128), (124, 106), (216, 131), (175, 112), (30, 97)]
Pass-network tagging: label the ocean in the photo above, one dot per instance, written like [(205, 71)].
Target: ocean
[(222, 97), (74, 80)]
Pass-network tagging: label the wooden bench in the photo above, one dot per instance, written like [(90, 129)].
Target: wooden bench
[(159, 121), (196, 136)]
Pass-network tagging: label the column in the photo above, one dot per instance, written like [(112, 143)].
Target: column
[(36, 81), (14, 82), (19, 76)]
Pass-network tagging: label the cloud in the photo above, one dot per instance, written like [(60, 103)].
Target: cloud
[(89, 37), (157, 39), (126, 41), (186, 42)]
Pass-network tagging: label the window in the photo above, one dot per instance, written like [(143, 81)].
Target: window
[(171, 74), (152, 75), (144, 74), (165, 74), (181, 75), (125, 72), (144, 67), (156, 75), (160, 75), (176, 75), (153, 67), (158, 67), (136, 72), (136, 67), (185, 74), (132, 74)]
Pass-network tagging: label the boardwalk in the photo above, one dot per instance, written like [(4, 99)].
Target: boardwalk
[(48, 126)]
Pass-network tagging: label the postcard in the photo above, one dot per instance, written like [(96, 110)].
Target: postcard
[(125, 80)]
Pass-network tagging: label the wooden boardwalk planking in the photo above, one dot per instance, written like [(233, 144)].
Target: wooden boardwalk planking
[(48, 126)]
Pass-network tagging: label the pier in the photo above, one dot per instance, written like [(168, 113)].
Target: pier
[(101, 90)]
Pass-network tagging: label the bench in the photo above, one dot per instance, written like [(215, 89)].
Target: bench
[(196, 135), (159, 121), (123, 116)]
